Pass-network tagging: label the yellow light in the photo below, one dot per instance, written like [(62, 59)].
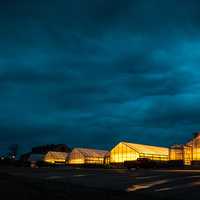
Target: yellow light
[(76, 161), (55, 157), (131, 152)]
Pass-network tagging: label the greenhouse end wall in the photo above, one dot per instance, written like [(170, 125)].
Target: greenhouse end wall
[(121, 153), (176, 152), (76, 158)]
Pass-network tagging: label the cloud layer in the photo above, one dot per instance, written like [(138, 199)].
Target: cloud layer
[(92, 73)]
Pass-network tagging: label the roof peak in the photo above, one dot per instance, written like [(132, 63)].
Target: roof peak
[(142, 144)]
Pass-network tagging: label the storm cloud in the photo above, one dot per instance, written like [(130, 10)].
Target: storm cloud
[(92, 73)]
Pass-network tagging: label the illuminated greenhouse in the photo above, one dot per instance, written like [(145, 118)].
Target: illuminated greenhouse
[(194, 145), (176, 152), (188, 153), (130, 151), (87, 156), (56, 157), (192, 150)]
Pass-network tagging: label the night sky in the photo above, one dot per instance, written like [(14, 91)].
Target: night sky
[(91, 73)]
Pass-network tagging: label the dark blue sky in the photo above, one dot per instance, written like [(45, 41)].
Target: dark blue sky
[(94, 72)]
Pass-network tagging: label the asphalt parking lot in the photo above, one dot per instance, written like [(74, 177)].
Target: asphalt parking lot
[(162, 184)]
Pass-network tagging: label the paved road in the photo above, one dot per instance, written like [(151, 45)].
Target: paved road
[(177, 184)]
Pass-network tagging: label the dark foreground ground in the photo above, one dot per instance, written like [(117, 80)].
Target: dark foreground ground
[(65, 183)]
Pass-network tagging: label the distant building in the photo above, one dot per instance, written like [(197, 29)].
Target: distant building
[(52, 157), (87, 156), (43, 150), (56, 157), (125, 151)]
